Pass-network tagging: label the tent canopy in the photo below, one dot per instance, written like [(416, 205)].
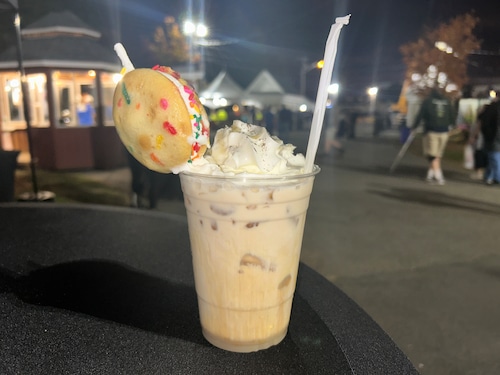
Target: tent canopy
[(295, 102), (222, 87), (264, 84), (263, 91)]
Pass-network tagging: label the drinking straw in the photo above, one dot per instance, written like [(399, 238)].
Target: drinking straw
[(122, 54), (322, 95)]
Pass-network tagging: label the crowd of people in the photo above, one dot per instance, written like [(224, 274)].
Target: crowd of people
[(437, 115)]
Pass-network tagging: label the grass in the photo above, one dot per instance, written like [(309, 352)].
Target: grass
[(70, 188)]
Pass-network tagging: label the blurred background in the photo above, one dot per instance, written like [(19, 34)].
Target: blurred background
[(259, 60), (241, 56)]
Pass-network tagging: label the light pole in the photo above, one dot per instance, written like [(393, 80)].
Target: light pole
[(36, 195), (333, 91), (372, 94), (304, 69), (196, 32)]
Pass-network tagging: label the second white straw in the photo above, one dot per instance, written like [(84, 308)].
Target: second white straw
[(122, 55)]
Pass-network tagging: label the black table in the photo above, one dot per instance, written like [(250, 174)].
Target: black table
[(100, 290)]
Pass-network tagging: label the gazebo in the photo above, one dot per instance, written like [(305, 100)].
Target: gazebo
[(71, 79)]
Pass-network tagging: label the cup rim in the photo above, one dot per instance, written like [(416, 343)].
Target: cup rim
[(254, 177)]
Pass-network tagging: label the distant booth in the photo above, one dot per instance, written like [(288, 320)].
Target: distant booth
[(71, 79)]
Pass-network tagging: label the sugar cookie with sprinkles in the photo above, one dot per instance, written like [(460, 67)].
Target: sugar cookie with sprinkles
[(159, 117)]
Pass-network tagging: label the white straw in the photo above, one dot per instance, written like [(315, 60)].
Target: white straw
[(122, 54), (322, 95)]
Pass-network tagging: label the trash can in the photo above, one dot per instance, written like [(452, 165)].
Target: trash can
[(8, 165)]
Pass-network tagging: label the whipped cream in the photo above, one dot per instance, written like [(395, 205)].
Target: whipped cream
[(246, 149)]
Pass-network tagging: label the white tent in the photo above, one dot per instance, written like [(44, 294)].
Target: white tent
[(297, 103), (263, 90), (222, 91)]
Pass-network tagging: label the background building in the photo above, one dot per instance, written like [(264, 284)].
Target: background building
[(71, 79)]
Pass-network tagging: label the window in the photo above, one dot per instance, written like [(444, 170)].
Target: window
[(14, 100), (11, 101), (39, 107), (74, 93), (109, 82)]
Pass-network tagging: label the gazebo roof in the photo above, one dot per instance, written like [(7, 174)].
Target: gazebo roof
[(58, 21), (61, 40)]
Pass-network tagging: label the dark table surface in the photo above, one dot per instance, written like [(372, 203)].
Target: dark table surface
[(100, 290)]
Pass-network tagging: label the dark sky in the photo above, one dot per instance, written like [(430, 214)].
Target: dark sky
[(277, 34)]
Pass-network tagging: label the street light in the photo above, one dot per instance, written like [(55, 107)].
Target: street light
[(196, 32), (188, 28), (372, 92), (193, 29), (333, 89), (307, 67), (443, 47), (201, 30)]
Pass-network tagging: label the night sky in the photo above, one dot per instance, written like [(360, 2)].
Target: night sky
[(277, 34)]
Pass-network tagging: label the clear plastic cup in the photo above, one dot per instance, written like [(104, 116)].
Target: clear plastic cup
[(246, 237)]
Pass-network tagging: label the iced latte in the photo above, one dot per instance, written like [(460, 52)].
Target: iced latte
[(246, 237), (246, 204)]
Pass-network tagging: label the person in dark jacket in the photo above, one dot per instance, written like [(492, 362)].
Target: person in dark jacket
[(489, 122), (437, 115), (285, 119)]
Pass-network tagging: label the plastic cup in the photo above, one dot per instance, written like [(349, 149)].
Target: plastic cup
[(246, 237)]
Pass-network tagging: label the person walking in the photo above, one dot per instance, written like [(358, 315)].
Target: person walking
[(269, 119), (335, 131), (476, 140), (489, 122), (285, 120), (143, 180), (437, 116)]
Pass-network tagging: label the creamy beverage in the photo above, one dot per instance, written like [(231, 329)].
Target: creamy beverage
[(246, 198), (246, 235)]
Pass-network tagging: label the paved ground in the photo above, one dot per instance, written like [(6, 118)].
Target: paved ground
[(422, 260)]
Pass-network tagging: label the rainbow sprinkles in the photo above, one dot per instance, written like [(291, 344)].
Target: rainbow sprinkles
[(199, 122), (198, 119)]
